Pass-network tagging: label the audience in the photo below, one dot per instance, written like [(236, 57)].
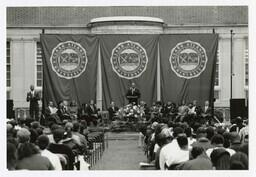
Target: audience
[(175, 137)]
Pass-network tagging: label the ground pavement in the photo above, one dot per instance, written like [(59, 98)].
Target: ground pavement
[(122, 153)]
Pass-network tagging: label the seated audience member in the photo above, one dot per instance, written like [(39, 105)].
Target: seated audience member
[(168, 150), (217, 143), (209, 132), (51, 113), (92, 113), (199, 161), (80, 138), (162, 139), (112, 110), (59, 148), (191, 140), (43, 142), (235, 141), (70, 139), (220, 159), (11, 156), (50, 135), (244, 131), (181, 154), (23, 135), (29, 158), (33, 135), (239, 161), (201, 139)]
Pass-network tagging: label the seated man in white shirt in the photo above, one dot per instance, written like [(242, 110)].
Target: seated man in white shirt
[(43, 142), (169, 149), (180, 155), (217, 143), (51, 113)]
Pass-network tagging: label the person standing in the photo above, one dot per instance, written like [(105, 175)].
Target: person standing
[(33, 97), (133, 94)]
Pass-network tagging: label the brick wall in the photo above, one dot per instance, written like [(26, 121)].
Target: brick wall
[(80, 16)]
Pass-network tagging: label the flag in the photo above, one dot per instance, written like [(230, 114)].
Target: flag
[(69, 67), (187, 66), (127, 58)]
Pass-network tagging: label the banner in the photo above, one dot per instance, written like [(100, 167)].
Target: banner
[(187, 66), (69, 67), (126, 59)]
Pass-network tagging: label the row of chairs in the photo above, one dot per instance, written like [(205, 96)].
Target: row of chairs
[(97, 142)]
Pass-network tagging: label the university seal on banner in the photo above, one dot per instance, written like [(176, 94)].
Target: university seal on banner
[(129, 59), (188, 59), (68, 59)]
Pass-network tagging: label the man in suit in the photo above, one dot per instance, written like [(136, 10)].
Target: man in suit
[(33, 97), (133, 94), (92, 113), (112, 110), (207, 109), (51, 113)]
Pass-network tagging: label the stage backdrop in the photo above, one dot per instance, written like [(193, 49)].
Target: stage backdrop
[(70, 67), (187, 63), (126, 59)]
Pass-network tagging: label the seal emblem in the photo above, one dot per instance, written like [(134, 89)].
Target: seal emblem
[(68, 59), (129, 59), (188, 59)]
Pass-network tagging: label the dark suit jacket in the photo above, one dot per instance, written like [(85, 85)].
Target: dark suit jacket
[(208, 111), (112, 112), (33, 99), (91, 111), (133, 96)]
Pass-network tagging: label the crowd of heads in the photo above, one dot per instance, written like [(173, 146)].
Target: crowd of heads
[(198, 146), (31, 146)]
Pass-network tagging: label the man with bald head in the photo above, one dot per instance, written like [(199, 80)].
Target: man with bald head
[(33, 97)]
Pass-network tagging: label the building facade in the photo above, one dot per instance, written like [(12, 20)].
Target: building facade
[(25, 24)]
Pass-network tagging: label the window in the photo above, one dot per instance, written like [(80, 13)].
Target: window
[(39, 65), (217, 78), (217, 75), (8, 70), (246, 58), (216, 94), (8, 65), (246, 69)]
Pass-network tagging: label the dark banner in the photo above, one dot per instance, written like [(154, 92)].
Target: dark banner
[(70, 67), (126, 59), (187, 66)]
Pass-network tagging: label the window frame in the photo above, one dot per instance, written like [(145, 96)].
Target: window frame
[(8, 88), (218, 87), (39, 88)]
